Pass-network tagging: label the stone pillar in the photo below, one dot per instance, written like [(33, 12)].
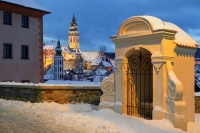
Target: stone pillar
[(120, 83), (168, 92), (158, 62)]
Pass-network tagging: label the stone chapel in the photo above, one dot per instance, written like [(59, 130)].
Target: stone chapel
[(154, 75)]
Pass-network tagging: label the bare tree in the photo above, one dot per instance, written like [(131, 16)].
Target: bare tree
[(102, 48)]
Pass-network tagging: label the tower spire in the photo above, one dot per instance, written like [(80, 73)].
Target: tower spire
[(73, 23), (58, 48)]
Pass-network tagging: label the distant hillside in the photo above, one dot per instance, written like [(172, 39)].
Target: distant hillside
[(110, 55), (197, 54)]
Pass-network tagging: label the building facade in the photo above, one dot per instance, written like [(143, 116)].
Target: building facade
[(21, 41)]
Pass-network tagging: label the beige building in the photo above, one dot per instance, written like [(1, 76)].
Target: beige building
[(21, 41), (154, 75)]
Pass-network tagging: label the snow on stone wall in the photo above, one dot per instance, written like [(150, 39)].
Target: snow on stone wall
[(59, 94)]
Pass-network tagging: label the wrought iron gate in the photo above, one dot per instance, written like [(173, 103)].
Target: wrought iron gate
[(140, 86)]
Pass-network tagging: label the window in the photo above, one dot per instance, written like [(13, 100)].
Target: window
[(7, 81), (25, 21), (7, 50), (25, 81), (24, 52), (7, 18)]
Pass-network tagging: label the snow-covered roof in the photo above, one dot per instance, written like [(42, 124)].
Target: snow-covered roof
[(106, 64), (112, 62), (181, 37), (64, 49), (52, 42), (53, 46), (50, 73), (101, 72), (27, 3), (90, 56), (97, 60), (49, 76), (49, 47)]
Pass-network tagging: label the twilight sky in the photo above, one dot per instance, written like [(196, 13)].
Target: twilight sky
[(99, 19)]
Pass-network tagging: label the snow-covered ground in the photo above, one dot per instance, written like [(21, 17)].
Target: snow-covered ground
[(17, 116), (197, 93), (197, 118), (71, 83)]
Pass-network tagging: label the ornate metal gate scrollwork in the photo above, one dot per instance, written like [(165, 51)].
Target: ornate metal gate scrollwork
[(140, 86)]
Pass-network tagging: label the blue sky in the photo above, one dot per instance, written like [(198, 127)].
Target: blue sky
[(99, 19)]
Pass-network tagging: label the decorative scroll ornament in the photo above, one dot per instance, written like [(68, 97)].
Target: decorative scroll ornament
[(171, 91), (175, 87), (146, 62), (107, 85), (135, 62)]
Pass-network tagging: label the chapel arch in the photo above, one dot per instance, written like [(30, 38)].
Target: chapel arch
[(139, 92)]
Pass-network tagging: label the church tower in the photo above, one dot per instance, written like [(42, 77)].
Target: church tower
[(58, 63), (73, 36)]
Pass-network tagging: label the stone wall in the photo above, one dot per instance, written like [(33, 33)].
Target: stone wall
[(197, 104), (59, 94)]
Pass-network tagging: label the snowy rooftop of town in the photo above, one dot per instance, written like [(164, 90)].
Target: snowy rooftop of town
[(101, 72), (106, 64), (90, 56), (97, 60), (112, 62), (49, 46), (27, 3)]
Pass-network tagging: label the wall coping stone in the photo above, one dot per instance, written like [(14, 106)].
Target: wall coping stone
[(46, 86)]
